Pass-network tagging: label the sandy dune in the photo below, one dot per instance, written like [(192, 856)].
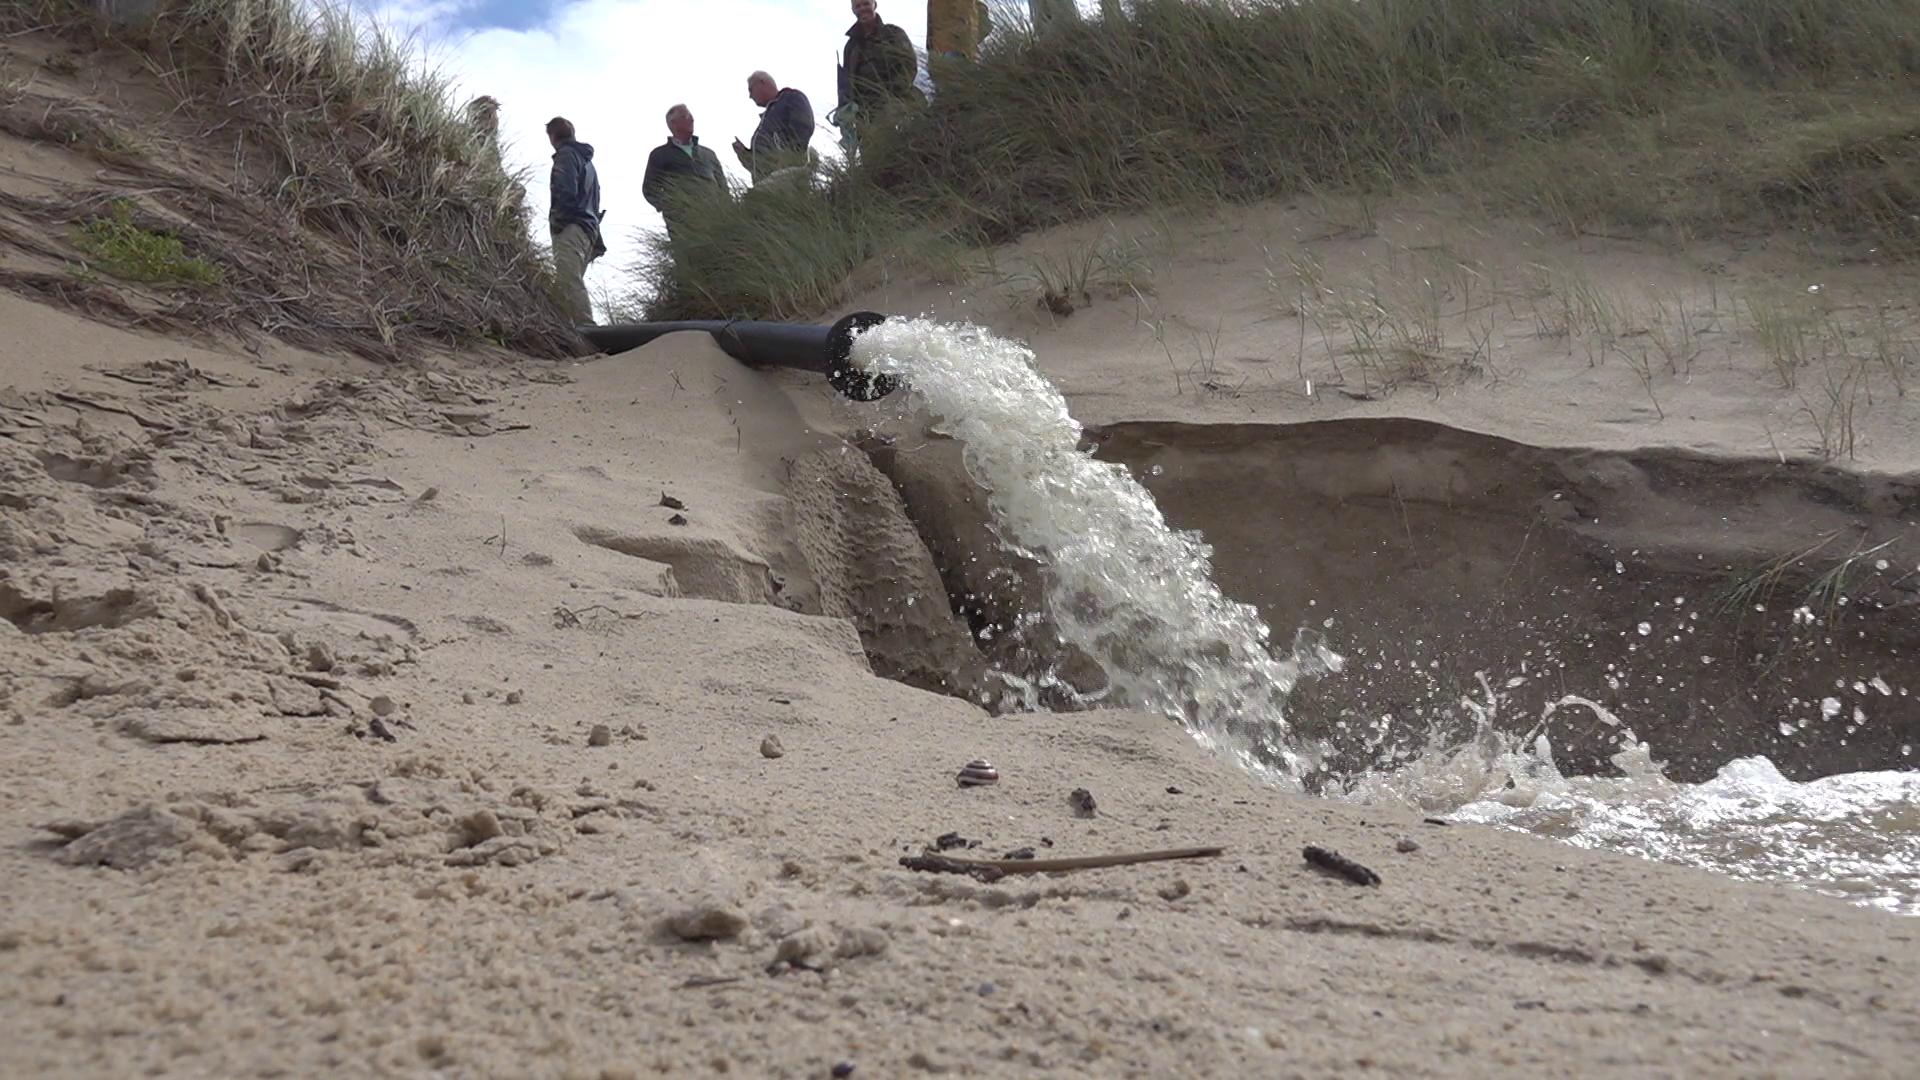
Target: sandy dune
[(218, 578), (1764, 347)]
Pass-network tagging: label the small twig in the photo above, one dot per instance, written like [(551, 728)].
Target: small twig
[(994, 869), (1334, 862), (699, 981), (565, 616)]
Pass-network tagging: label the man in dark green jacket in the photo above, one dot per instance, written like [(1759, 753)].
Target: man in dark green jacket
[(680, 160), (876, 70)]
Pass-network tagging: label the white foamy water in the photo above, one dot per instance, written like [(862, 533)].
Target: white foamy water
[(1134, 594), (1139, 598), (1855, 836)]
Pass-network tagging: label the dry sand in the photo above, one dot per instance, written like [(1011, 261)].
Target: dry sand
[(366, 721), (219, 576)]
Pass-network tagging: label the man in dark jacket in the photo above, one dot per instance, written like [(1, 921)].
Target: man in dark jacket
[(876, 70), (574, 218), (786, 127), (681, 160)]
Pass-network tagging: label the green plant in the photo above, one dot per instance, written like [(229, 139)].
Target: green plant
[(1783, 328), (772, 252), (1842, 386), (1063, 281), (1662, 113), (12, 88), (364, 209), (126, 250)]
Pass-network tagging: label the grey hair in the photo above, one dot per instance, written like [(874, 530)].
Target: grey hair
[(678, 110), (760, 75)]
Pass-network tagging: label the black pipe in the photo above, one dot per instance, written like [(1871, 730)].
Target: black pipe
[(827, 350)]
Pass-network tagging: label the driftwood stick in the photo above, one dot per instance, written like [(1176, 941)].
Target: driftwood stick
[(994, 869)]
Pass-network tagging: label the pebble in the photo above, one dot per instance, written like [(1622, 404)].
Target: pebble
[(319, 657), (515, 697), (1175, 891), (601, 735), (978, 773), (466, 698), (708, 919), (382, 705), (1082, 802), (1407, 844), (842, 1070), (770, 747)]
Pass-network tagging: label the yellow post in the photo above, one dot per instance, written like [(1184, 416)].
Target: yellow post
[(953, 27)]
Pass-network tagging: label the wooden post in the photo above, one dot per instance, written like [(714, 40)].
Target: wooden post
[(953, 28)]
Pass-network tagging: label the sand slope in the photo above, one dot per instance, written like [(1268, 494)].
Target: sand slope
[(1418, 307), (213, 593)]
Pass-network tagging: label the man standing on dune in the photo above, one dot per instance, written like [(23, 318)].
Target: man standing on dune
[(876, 71), (786, 127), (574, 219), (681, 160)]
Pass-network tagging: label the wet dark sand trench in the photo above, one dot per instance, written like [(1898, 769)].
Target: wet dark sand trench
[(1703, 602)]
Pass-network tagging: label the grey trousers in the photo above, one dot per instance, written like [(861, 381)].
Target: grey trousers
[(572, 250)]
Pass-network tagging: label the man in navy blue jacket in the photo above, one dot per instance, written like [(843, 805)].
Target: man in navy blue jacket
[(574, 220), (786, 127)]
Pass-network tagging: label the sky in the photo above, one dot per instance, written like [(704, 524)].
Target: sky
[(613, 67)]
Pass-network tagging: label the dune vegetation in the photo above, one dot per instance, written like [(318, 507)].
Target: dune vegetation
[(283, 168), (1661, 117)]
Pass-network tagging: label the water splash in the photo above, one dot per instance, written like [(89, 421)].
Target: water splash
[(1139, 598), (1136, 595), (1854, 836)]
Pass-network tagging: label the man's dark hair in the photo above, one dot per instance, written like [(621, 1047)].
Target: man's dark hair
[(560, 128)]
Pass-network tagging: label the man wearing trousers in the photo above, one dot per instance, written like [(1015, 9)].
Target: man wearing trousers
[(574, 219)]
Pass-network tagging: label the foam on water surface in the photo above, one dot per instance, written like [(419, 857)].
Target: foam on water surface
[(1139, 598)]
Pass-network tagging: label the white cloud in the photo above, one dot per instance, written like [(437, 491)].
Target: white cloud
[(614, 66)]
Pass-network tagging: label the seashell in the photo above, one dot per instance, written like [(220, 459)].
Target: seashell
[(977, 773)]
